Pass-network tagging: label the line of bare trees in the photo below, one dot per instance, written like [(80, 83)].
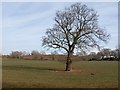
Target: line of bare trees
[(104, 54)]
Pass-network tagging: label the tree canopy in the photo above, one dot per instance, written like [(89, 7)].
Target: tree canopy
[(75, 28)]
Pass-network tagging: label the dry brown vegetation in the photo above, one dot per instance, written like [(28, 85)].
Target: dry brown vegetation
[(52, 57)]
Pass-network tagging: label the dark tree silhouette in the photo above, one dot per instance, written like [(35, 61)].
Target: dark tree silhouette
[(75, 28)]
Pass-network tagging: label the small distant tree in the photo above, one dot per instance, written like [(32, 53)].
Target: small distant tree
[(53, 54), (114, 53), (106, 52), (117, 53), (34, 52), (100, 55), (16, 54), (75, 28), (92, 56)]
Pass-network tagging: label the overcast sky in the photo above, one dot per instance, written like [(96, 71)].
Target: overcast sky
[(24, 23)]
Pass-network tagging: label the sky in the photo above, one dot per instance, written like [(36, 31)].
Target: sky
[(0, 28), (25, 23)]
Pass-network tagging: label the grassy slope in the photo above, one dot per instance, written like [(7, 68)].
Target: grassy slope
[(30, 73)]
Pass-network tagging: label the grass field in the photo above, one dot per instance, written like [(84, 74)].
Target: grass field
[(0, 72), (51, 74)]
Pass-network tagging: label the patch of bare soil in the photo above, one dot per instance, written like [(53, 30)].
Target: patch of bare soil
[(61, 70), (75, 70)]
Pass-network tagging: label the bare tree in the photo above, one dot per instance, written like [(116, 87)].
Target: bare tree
[(100, 55), (106, 52), (75, 28), (53, 54), (34, 52), (114, 53), (16, 54), (92, 55)]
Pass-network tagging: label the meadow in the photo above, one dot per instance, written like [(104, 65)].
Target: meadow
[(19, 73), (0, 72)]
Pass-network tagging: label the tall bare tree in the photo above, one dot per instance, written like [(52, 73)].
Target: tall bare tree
[(75, 28)]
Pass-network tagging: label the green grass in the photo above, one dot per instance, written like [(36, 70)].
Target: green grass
[(0, 72), (42, 74)]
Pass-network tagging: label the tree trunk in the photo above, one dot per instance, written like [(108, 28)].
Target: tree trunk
[(69, 62)]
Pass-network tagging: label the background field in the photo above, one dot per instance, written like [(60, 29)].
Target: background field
[(51, 74)]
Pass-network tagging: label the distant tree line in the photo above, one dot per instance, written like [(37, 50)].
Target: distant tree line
[(104, 54)]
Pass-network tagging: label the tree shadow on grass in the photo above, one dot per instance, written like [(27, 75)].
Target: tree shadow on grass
[(21, 67)]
